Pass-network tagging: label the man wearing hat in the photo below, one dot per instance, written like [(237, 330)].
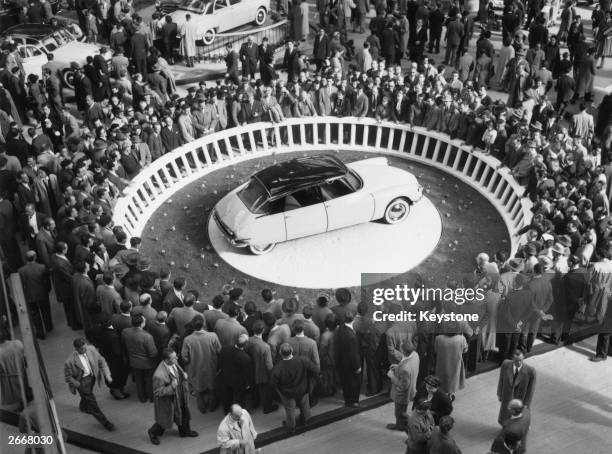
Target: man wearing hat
[(249, 56), (542, 299), (82, 86), (158, 83)]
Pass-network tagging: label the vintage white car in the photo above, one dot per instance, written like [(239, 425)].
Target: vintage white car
[(216, 16), (312, 195), (35, 41)]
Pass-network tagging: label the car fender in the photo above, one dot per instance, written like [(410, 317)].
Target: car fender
[(383, 197)]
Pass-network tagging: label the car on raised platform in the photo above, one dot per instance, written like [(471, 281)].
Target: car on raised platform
[(311, 195), (216, 16), (35, 41)]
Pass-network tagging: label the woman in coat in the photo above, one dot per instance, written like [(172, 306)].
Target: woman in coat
[(506, 53), (586, 74), (449, 348)]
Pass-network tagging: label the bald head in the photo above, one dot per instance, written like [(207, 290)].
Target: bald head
[(515, 407)]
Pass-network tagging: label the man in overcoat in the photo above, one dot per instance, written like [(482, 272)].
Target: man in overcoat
[(516, 381), (171, 398)]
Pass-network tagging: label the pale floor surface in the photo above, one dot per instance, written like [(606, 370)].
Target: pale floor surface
[(571, 413)]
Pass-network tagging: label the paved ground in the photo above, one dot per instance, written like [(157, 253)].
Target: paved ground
[(571, 413)]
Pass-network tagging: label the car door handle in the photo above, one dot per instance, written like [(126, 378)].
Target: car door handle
[(287, 216)]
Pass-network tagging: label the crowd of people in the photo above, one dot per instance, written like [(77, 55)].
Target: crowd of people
[(62, 169)]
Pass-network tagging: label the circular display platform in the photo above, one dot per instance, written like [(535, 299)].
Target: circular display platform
[(338, 258)]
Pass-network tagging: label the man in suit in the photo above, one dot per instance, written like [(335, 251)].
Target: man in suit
[(171, 398), (62, 271), (108, 343), (513, 313), (516, 381), (306, 347), (418, 42), (291, 377), (236, 372), (389, 44), (231, 64), (122, 319), (169, 34), (200, 354), (54, 90), (142, 356), (348, 361), (82, 369), (84, 296), (266, 62), (158, 83), (320, 49), (170, 135), (261, 356), (36, 286), (249, 55), (160, 331), (174, 297), (229, 329), (541, 290), (216, 313), (145, 309), (45, 241), (403, 378), (369, 339), (107, 296), (180, 316), (361, 105), (139, 48), (154, 141), (454, 34), (250, 110)]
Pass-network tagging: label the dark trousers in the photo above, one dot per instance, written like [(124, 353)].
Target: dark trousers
[(72, 318), (506, 343), (451, 54), (401, 420), (140, 64), (434, 41), (40, 312), (351, 385), (291, 404), (144, 383), (119, 371), (373, 373), (263, 396), (473, 353), (206, 400), (248, 69), (233, 395), (184, 427), (88, 402), (604, 346)]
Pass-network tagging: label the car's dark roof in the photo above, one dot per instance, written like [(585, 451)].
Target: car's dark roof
[(36, 31), (288, 176)]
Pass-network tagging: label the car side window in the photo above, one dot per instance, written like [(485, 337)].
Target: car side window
[(234, 2), (336, 188), (34, 51), (219, 4), (302, 198)]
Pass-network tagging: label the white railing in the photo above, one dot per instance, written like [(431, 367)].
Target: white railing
[(195, 160)]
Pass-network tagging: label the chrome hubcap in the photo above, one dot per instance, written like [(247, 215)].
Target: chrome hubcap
[(397, 211)]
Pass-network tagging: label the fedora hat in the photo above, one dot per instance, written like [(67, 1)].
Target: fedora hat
[(558, 248)]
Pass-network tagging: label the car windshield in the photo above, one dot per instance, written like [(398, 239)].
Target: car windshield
[(57, 39), (254, 196), (197, 6)]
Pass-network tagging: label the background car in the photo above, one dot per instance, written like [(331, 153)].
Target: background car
[(312, 195), (35, 41), (216, 16), (9, 12)]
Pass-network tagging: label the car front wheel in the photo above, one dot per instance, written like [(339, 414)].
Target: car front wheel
[(261, 249), (260, 16), (68, 77), (397, 211), (209, 36)]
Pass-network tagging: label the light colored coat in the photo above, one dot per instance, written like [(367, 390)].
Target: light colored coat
[(200, 354), (449, 362), (73, 369), (404, 380), (231, 432)]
